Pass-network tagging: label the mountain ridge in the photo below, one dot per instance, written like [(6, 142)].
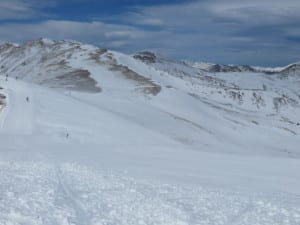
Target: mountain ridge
[(72, 66), (151, 57)]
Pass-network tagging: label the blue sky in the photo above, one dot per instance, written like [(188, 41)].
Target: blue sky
[(256, 32)]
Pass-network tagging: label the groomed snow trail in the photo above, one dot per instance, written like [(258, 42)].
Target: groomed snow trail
[(19, 113), (69, 198)]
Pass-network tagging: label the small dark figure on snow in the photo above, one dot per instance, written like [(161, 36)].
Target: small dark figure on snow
[(6, 77), (27, 99), (67, 135), (298, 124)]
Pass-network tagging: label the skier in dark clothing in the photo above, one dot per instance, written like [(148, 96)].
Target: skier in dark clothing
[(27, 99)]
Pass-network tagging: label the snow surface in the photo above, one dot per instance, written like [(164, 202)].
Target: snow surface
[(188, 155)]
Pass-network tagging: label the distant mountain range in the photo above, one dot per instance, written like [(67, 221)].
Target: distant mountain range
[(150, 57)]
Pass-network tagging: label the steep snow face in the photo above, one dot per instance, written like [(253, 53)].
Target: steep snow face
[(133, 142)]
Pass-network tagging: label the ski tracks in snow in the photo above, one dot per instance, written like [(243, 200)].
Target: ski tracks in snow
[(69, 198), (69, 194)]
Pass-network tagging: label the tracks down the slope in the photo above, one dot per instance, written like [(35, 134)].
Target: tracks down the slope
[(81, 217)]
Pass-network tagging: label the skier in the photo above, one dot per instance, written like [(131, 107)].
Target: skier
[(27, 99)]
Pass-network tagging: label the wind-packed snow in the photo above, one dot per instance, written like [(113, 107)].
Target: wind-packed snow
[(155, 144), (38, 193)]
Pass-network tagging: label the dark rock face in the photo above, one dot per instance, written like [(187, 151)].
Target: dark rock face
[(228, 68), (2, 100), (147, 57), (293, 69), (247, 68)]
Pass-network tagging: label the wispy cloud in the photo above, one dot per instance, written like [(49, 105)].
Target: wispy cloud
[(98, 33), (231, 31), (23, 9), (259, 32)]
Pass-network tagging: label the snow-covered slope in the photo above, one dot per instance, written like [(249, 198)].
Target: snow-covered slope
[(133, 142), (69, 65)]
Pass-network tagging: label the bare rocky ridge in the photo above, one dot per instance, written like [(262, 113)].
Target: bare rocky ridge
[(291, 70), (147, 57)]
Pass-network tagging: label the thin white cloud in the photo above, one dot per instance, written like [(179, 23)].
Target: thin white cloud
[(258, 12), (23, 9), (106, 35), (123, 34)]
